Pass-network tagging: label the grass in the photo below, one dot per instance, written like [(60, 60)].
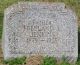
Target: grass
[(46, 61), (49, 61), (15, 61)]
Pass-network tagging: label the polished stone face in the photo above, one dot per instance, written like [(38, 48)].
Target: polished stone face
[(40, 28)]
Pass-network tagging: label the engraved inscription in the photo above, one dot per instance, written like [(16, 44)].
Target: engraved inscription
[(32, 28)]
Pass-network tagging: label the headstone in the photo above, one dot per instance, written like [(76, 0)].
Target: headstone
[(44, 28)]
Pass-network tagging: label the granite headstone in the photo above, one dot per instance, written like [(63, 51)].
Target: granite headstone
[(43, 28)]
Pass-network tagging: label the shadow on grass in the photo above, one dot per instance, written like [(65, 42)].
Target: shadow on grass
[(79, 43)]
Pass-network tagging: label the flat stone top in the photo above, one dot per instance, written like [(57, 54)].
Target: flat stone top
[(45, 28), (37, 4), (44, 6)]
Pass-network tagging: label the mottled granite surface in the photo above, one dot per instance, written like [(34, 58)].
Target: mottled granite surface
[(40, 28)]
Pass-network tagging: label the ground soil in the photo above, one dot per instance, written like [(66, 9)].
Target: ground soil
[(34, 60)]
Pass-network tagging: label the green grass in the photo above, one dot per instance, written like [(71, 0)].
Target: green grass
[(15, 61), (49, 61), (78, 62), (46, 61)]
